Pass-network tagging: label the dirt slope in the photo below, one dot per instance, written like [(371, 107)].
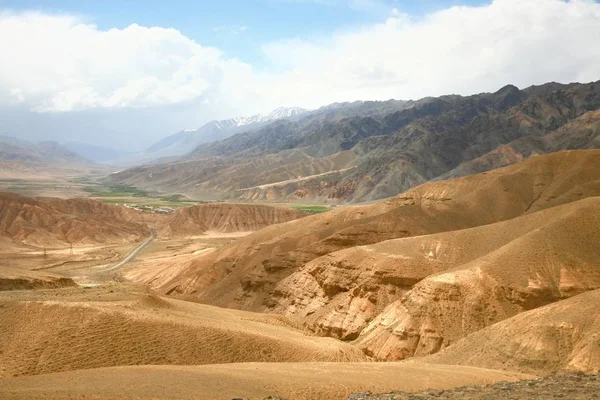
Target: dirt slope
[(552, 255), (560, 336), (252, 381), (224, 217), (244, 274), (52, 336), (340, 293), (57, 222), (22, 279)]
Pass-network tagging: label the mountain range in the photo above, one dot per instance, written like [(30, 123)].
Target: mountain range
[(18, 150), (365, 151), (183, 142)]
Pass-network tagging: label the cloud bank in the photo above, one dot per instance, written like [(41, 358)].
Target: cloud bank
[(61, 64)]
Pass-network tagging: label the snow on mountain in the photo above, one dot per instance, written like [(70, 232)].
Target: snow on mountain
[(281, 112), (185, 141)]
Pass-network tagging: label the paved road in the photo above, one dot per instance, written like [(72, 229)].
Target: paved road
[(131, 255)]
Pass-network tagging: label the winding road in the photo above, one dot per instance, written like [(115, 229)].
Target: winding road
[(131, 255)]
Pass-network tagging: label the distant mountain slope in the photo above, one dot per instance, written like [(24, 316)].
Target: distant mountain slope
[(95, 153), (394, 145), (13, 149), (185, 141)]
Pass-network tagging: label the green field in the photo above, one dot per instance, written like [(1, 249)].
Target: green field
[(115, 191), (311, 209)]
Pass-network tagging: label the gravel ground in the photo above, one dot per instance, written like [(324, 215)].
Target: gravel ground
[(568, 386)]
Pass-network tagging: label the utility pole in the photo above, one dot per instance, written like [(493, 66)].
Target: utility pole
[(71, 248), (45, 254)]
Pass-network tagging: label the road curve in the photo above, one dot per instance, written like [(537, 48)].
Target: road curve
[(131, 255)]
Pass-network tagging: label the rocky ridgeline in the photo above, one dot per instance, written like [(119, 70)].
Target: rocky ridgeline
[(568, 386)]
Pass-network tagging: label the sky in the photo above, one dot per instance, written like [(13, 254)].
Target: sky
[(126, 73)]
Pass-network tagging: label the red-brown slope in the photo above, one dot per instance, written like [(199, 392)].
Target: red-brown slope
[(244, 273), (340, 293), (530, 261), (52, 221), (224, 217)]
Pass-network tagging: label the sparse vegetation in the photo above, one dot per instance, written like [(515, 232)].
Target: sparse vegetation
[(311, 209), (115, 190)]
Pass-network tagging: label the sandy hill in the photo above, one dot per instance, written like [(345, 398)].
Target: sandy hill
[(22, 279), (297, 381), (52, 336), (57, 222), (561, 336), (502, 270), (223, 217), (244, 274), (440, 285)]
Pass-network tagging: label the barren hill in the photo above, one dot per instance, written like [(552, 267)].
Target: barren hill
[(53, 336), (224, 217), (440, 285), (57, 222), (502, 270), (244, 274), (561, 336), (22, 279), (464, 254)]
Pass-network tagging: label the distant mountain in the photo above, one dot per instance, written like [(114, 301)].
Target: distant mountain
[(13, 141), (364, 151), (95, 153), (185, 141), (17, 150)]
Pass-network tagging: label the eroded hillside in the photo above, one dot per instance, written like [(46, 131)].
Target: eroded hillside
[(56, 222), (414, 274)]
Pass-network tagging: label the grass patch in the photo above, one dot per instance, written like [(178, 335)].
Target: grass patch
[(116, 190), (174, 198), (311, 209)]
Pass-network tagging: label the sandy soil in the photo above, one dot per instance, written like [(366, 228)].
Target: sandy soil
[(297, 381), (52, 336)]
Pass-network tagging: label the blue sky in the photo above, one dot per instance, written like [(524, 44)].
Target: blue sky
[(127, 73), (218, 23)]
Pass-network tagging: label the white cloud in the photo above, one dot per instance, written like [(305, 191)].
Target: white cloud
[(59, 63), (458, 50)]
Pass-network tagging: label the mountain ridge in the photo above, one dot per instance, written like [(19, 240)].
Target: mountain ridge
[(396, 145)]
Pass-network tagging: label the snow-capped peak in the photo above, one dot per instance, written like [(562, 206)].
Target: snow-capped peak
[(281, 112)]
